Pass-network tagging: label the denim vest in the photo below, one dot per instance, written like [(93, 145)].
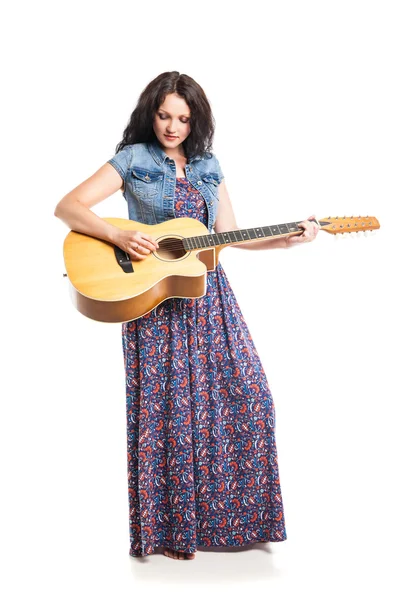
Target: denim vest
[(149, 176)]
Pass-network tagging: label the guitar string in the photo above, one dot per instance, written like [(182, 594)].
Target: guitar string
[(180, 246)]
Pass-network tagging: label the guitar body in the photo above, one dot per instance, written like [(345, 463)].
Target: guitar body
[(101, 290), (106, 285)]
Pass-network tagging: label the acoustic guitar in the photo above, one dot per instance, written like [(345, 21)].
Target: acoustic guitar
[(107, 285)]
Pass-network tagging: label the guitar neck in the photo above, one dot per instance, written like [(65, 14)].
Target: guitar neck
[(229, 238), (333, 225)]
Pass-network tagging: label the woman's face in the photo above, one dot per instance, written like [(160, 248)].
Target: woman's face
[(172, 118)]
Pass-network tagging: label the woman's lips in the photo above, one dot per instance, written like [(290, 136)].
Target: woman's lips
[(170, 137)]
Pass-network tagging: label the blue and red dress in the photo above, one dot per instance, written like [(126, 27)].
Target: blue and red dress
[(202, 457)]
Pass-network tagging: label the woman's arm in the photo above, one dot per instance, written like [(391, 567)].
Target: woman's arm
[(226, 221), (74, 210)]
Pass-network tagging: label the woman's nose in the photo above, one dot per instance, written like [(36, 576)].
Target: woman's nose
[(172, 128)]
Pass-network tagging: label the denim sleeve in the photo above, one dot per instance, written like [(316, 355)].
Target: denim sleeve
[(122, 161), (219, 171)]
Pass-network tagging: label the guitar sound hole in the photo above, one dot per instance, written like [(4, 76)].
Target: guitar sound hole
[(171, 248)]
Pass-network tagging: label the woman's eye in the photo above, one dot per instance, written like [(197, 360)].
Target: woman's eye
[(161, 116)]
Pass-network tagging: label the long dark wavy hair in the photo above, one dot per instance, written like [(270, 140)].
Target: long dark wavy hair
[(140, 125)]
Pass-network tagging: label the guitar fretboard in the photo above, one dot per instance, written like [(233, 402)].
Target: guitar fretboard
[(240, 235)]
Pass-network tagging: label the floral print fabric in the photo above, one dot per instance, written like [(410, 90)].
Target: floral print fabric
[(202, 458)]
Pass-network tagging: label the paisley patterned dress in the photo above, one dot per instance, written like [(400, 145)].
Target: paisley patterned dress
[(202, 458)]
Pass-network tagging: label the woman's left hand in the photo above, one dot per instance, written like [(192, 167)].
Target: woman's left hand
[(310, 231)]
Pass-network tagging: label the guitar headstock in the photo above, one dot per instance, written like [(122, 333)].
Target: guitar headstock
[(337, 225)]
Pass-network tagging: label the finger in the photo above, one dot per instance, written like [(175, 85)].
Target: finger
[(294, 239), (147, 245), (306, 226), (152, 243), (314, 224), (306, 235), (136, 255), (311, 220), (143, 246), (310, 229), (138, 247)]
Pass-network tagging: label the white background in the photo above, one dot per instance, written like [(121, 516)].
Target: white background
[(313, 103)]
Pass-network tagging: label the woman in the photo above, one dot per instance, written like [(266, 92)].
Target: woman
[(202, 458)]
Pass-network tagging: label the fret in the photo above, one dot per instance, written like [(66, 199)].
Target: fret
[(226, 237), (259, 232)]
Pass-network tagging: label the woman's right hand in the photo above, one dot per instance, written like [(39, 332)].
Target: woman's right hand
[(137, 244)]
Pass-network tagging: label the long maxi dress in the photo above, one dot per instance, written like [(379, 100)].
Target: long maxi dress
[(202, 458)]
